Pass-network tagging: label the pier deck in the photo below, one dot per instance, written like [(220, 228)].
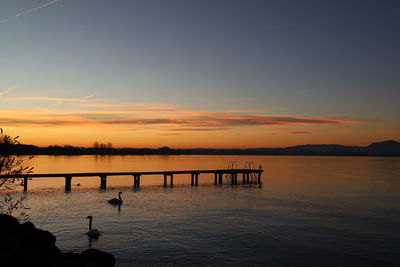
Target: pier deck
[(231, 174)]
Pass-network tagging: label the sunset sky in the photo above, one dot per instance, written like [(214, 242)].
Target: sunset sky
[(222, 74)]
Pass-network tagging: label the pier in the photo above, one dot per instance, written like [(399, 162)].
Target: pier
[(249, 176)]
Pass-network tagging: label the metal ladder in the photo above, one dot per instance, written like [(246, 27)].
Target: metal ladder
[(231, 166), (250, 166)]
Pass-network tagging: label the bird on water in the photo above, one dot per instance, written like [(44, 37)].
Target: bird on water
[(92, 233), (116, 201)]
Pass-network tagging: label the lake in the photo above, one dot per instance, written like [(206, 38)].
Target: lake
[(309, 211)]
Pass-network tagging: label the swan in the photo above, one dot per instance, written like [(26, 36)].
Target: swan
[(116, 201), (92, 233)]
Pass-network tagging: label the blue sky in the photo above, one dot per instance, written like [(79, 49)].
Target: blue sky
[(314, 59)]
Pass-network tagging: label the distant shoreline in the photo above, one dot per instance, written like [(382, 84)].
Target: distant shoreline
[(380, 149)]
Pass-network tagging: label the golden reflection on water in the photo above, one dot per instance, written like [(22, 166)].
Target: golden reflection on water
[(338, 204), (336, 176)]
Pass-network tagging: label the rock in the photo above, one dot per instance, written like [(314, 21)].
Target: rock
[(25, 245), (94, 257), (8, 222)]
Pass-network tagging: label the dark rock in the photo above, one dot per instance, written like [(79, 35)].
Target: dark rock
[(95, 257), (25, 245), (7, 222)]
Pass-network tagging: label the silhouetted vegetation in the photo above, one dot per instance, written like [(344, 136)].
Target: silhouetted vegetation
[(11, 163), (386, 148)]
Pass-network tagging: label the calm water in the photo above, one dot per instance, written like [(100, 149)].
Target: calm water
[(309, 211)]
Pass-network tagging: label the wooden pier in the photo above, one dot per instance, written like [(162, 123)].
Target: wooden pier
[(248, 176)]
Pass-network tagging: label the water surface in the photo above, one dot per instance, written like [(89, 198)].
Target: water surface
[(309, 211)]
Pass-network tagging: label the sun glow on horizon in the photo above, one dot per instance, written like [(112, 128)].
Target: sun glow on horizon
[(84, 120)]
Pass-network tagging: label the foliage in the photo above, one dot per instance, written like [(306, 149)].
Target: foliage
[(12, 199)]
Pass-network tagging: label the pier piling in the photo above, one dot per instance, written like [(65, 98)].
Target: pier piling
[(25, 184), (68, 183), (136, 181), (103, 182)]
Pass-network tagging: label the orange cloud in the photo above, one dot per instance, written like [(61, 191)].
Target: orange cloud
[(256, 110), (199, 129), (199, 121), (300, 132)]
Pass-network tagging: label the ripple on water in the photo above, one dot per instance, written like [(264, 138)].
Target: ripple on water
[(310, 211)]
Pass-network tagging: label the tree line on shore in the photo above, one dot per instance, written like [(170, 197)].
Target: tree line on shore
[(386, 148)]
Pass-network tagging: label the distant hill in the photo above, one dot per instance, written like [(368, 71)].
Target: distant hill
[(385, 148)]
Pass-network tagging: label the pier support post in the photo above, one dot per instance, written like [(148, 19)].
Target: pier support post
[(68, 183), (220, 178), (136, 181), (103, 182), (165, 180), (259, 178), (25, 184), (244, 178), (197, 179), (248, 178), (192, 179), (172, 180), (215, 178)]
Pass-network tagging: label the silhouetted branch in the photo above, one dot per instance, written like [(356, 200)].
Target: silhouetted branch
[(10, 199)]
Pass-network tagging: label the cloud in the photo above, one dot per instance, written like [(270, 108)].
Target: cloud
[(300, 132), (26, 12), (198, 129), (256, 110), (6, 91), (143, 108), (386, 131), (57, 100), (169, 134), (186, 121)]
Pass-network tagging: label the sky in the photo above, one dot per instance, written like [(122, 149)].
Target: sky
[(186, 74)]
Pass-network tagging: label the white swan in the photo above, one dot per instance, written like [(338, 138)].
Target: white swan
[(116, 201), (92, 233)]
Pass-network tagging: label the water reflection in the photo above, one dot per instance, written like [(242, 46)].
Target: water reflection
[(339, 207)]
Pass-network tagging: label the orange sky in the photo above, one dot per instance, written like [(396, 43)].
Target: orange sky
[(83, 121)]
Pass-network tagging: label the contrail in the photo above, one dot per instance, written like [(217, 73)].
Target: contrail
[(26, 12)]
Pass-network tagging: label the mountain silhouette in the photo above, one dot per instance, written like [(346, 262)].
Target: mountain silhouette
[(385, 147)]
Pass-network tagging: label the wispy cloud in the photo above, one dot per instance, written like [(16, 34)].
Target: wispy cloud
[(56, 100), (175, 122), (6, 91), (169, 134), (26, 12), (198, 129), (387, 131), (143, 108), (300, 132), (257, 110)]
